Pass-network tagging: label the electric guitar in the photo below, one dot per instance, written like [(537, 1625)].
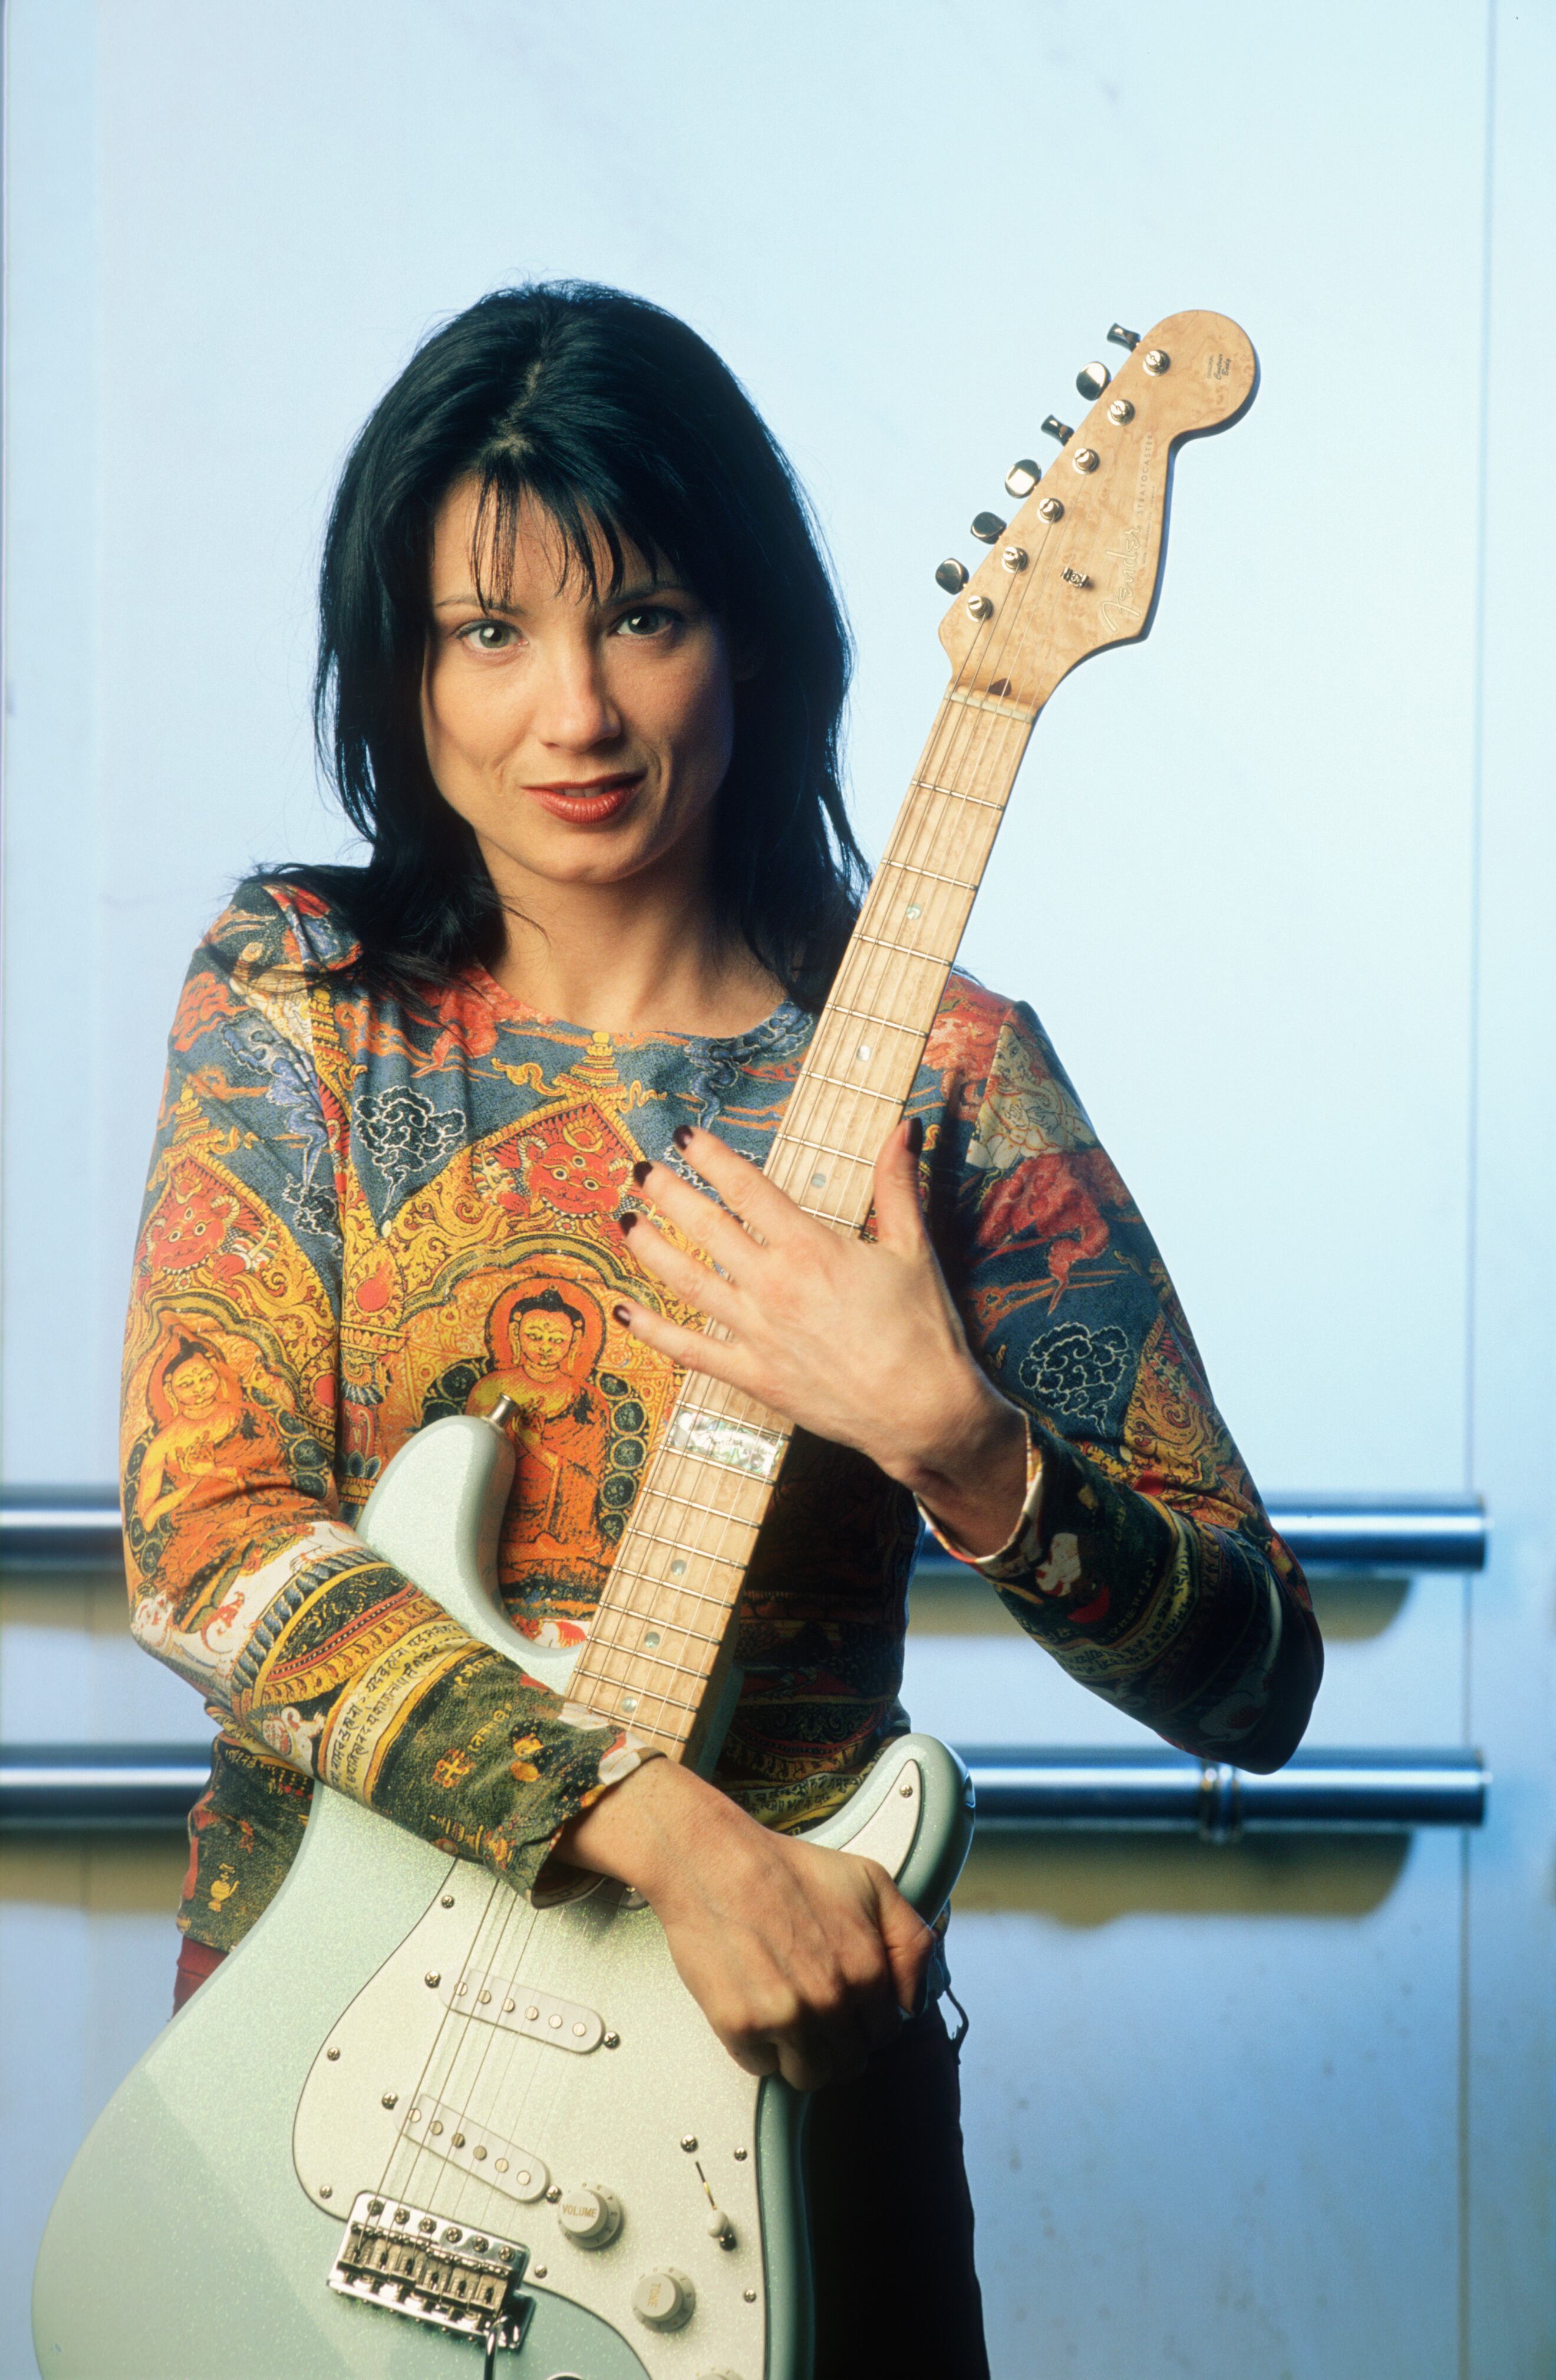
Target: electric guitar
[(416, 2123)]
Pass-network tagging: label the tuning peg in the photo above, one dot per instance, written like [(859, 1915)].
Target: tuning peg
[(1120, 337), (1093, 378), (1023, 476), (952, 576), (1055, 428), (987, 527)]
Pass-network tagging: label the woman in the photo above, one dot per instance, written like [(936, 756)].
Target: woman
[(579, 687)]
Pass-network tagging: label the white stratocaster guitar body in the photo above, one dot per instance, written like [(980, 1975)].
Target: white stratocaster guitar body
[(502, 2097)]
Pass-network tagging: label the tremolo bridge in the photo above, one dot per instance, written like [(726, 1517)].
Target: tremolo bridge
[(412, 2262)]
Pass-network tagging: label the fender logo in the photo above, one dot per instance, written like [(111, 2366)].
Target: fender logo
[(1119, 609)]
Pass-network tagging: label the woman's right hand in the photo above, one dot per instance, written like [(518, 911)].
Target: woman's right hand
[(802, 1959)]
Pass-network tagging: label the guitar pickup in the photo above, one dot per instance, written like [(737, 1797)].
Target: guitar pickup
[(493, 1999), (411, 2263), (448, 2133)]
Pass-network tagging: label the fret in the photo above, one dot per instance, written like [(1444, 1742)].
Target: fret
[(928, 786), (627, 1702), (860, 1016), (912, 867), (654, 1660), (820, 1148), (1013, 713), (711, 1512), (861, 1090), (880, 942), (618, 1612), (674, 1545)]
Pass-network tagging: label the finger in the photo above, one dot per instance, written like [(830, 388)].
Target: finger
[(899, 1215), (744, 1188), (908, 1943), (695, 1350), (694, 1282), (709, 1226)]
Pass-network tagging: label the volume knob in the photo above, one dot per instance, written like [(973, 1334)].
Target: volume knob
[(589, 2215), (665, 2300)]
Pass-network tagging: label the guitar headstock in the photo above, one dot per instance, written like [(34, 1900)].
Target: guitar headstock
[(1077, 566)]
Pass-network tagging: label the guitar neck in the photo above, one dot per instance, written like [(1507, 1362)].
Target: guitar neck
[(657, 1651)]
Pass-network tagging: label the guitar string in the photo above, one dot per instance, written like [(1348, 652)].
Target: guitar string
[(942, 762), (941, 765)]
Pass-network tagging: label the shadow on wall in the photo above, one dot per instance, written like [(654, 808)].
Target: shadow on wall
[(1083, 1881)]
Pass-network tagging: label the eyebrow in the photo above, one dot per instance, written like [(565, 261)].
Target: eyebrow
[(470, 601)]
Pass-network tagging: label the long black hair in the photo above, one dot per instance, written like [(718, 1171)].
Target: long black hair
[(629, 430)]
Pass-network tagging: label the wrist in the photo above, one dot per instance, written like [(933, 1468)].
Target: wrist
[(640, 1830), (975, 1485)]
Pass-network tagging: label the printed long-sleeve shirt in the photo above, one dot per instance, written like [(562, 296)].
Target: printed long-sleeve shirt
[(370, 1207)]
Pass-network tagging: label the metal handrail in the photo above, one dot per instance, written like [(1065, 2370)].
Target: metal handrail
[(78, 1528), (145, 1785)]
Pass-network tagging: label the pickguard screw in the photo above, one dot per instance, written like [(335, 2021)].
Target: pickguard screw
[(325, 2190), (906, 1792), (740, 2154), (332, 2055), (433, 1980), (540, 2272), (447, 1900), (391, 2099), (553, 2195), (749, 2296), (689, 2142), (613, 2041)]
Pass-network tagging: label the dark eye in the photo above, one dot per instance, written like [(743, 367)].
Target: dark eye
[(487, 636), (647, 620)]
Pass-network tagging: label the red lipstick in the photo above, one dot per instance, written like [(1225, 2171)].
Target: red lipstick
[(590, 803)]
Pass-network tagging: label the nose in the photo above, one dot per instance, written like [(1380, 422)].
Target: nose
[(574, 712)]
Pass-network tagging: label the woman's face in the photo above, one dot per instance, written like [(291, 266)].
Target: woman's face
[(584, 739)]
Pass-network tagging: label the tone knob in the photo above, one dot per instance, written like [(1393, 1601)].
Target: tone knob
[(589, 2215), (665, 2300), (1093, 378), (1023, 476)]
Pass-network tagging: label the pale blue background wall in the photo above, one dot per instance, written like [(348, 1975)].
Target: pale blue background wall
[(1278, 883)]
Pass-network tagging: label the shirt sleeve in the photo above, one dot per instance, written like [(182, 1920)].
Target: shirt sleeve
[(1143, 1559), (313, 1654)]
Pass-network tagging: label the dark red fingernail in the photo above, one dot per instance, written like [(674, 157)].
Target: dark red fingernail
[(682, 1136), (622, 1314), (641, 1172), (627, 1221), (915, 1134)]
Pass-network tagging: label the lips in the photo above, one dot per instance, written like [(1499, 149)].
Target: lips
[(591, 804)]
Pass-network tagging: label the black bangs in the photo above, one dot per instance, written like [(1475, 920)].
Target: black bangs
[(625, 430)]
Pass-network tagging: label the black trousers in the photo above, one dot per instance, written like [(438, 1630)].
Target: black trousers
[(892, 2218)]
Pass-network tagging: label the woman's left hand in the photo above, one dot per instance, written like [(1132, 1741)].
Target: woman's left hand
[(853, 1339)]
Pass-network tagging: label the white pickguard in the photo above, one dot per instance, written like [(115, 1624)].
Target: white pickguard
[(401, 2057)]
